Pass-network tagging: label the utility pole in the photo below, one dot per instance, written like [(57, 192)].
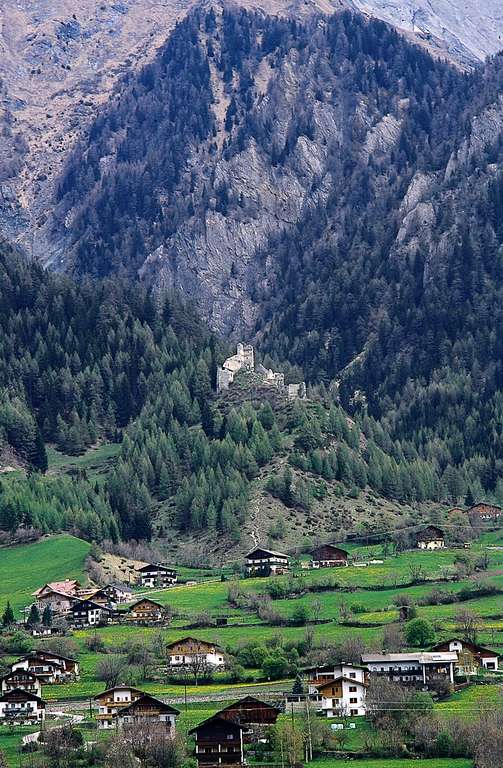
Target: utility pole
[(309, 732)]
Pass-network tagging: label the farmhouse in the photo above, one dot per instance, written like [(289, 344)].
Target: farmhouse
[(48, 672), (254, 715), (21, 707), (329, 556), (66, 587), (218, 742), (156, 575), (342, 696), (421, 669), (117, 593), (324, 673), (70, 666), (430, 537), (146, 612), (483, 511), (480, 656), (189, 651), (59, 601), (112, 701), (87, 613), (22, 679), (148, 709), (265, 562)]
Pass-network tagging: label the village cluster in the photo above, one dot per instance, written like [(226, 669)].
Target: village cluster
[(333, 690)]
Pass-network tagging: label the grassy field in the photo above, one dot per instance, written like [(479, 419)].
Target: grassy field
[(26, 567), (447, 762), (370, 593), (96, 462)]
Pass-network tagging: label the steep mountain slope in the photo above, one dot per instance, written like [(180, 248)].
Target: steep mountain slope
[(466, 31), (328, 187), (197, 168)]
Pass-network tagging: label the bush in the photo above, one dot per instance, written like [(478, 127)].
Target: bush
[(419, 632)]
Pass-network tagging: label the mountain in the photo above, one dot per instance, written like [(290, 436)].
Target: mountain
[(322, 186), (96, 366), (59, 66), (464, 31)]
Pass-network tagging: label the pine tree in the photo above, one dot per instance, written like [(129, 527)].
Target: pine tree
[(47, 616), (34, 616), (8, 616)]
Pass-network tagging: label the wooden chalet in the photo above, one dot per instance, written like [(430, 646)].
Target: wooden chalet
[(112, 701), (70, 666), (48, 672), (483, 511), (146, 612), (329, 556), (190, 650), (87, 613), (470, 655), (21, 707), (23, 680), (254, 715), (430, 537), (148, 709), (219, 741), (265, 562), (156, 575)]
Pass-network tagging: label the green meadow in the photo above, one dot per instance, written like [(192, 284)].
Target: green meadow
[(28, 566)]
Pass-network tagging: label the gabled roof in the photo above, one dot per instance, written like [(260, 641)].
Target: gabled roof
[(333, 547), (429, 532), (61, 587), (17, 672), (34, 656), (156, 567), (250, 700), (192, 640), (328, 683), (87, 601), (328, 667), (19, 694), (52, 655), (147, 698), (119, 688), (145, 600), (466, 644), (266, 551), (230, 724)]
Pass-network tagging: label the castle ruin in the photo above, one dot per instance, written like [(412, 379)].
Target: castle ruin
[(244, 360)]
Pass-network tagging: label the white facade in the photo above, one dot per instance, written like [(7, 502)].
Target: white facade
[(28, 710), (481, 655), (434, 544), (111, 702), (328, 673), (214, 659), (343, 697), (420, 667)]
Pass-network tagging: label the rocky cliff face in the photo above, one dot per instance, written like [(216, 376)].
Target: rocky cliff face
[(59, 62), (465, 31)]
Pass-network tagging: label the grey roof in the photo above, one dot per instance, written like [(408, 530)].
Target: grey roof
[(421, 657)]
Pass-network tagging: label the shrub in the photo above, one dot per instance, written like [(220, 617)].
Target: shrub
[(419, 632)]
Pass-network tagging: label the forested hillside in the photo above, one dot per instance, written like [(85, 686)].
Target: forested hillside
[(331, 189), (100, 361)]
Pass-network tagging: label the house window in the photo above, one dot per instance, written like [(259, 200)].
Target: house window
[(352, 674), (352, 688), (230, 736), (353, 700), (353, 712)]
